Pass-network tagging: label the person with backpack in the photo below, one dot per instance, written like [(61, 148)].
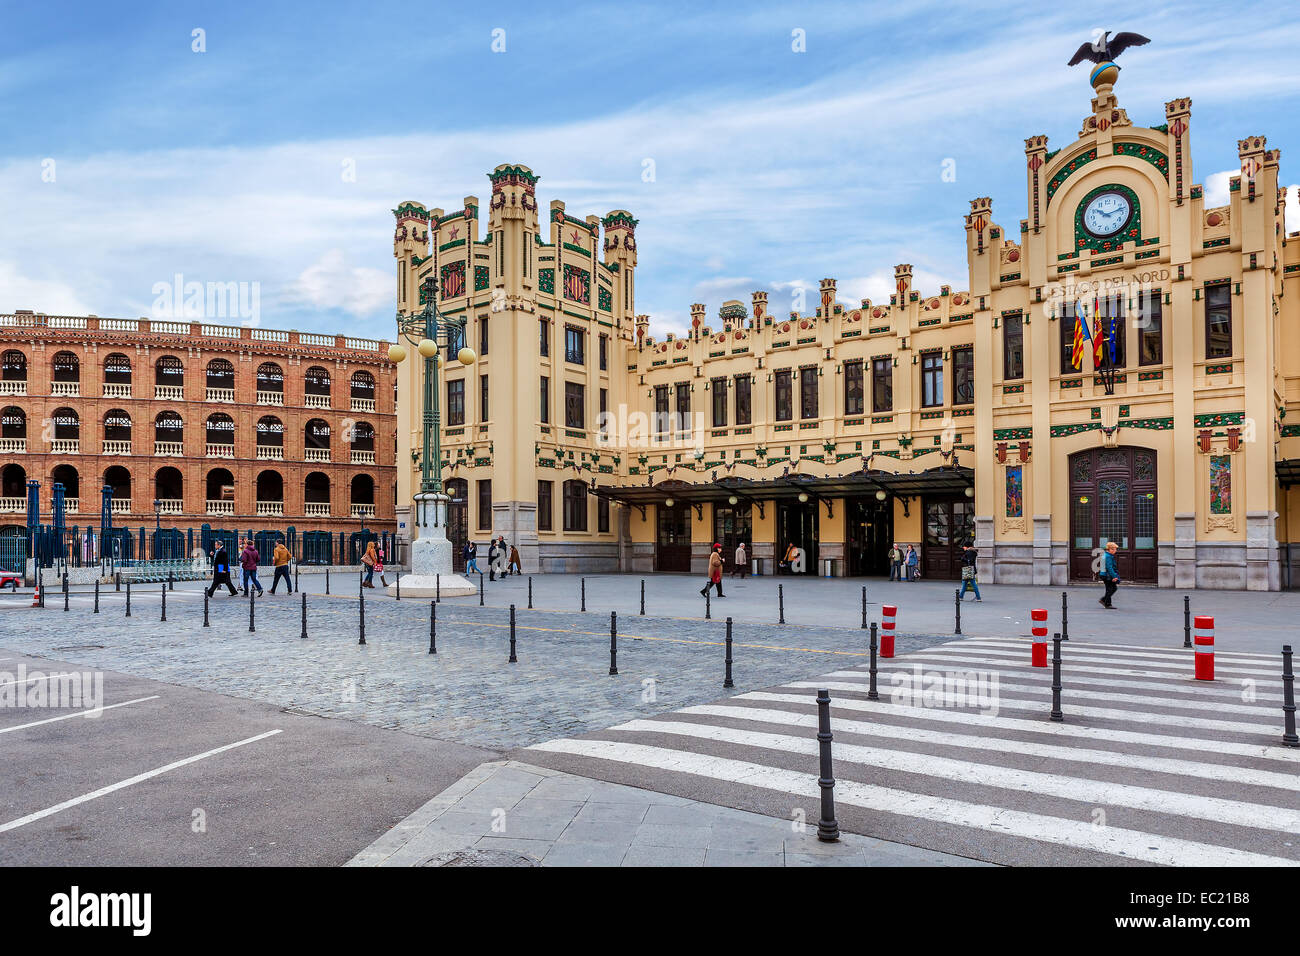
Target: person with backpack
[(281, 558), (221, 570), (1109, 575), (969, 555), (471, 558)]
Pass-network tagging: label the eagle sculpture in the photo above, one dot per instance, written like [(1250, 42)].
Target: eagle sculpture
[(1107, 49)]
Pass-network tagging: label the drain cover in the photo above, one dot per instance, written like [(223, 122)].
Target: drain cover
[(480, 858)]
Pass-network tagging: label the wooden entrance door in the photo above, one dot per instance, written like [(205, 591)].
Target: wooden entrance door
[(1113, 498), (457, 489), (869, 534), (948, 523), (673, 545)]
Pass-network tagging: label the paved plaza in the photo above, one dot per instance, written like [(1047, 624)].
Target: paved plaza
[(326, 751)]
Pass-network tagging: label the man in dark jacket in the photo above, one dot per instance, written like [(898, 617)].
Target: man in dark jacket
[(969, 555), (221, 570), (1109, 575), (248, 561), (492, 559)]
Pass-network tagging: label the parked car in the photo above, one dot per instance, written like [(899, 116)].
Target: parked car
[(10, 580)]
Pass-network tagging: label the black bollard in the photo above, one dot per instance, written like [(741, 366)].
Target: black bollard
[(164, 603), (613, 642), (433, 627), (513, 659), (205, 609), (1056, 679), (361, 619), (872, 693), (303, 635), (327, 580), (399, 585), (584, 594), (727, 682), (480, 589), (65, 592), (956, 607), (1289, 737), (437, 587), (643, 597), (1065, 615), (530, 592), (828, 831), (864, 607), (780, 604), (96, 595), (708, 605), (171, 582), (251, 613), (128, 597), (1187, 620), (295, 576), (117, 578)]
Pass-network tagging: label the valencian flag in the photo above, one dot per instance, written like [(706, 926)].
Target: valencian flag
[(1076, 357)]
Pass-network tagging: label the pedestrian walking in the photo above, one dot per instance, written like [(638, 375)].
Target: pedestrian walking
[(248, 559), (281, 557), (379, 567), (1109, 575), (471, 558), (368, 562), (742, 562), (895, 563), (969, 555), (492, 559), (788, 562), (715, 572), (221, 570), (515, 565), (913, 564), (503, 555)]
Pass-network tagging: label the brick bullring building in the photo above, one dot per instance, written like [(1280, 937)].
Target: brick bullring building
[(191, 423)]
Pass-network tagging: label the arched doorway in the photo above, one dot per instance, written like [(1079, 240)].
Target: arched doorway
[(1113, 498), (457, 489)]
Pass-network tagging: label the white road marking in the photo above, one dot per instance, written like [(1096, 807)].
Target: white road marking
[(130, 781), (1071, 665), (1069, 706), (80, 713), (1187, 768), (1131, 844), (1123, 650), (884, 709), (1060, 786), (1161, 669)]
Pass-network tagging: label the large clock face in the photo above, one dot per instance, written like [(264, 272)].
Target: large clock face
[(1107, 214)]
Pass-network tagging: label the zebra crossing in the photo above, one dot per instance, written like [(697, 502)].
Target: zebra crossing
[(958, 755)]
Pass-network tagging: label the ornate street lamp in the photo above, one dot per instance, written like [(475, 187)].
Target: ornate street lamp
[(427, 330)]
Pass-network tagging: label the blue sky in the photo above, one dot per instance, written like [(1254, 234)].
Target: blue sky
[(773, 168)]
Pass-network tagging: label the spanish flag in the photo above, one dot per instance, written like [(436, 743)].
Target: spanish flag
[(1076, 358)]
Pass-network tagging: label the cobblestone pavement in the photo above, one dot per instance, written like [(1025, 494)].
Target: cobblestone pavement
[(467, 692)]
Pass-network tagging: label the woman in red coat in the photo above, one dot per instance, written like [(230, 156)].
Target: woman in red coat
[(715, 572)]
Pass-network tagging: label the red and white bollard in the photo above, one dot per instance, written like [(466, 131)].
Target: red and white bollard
[(1038, 655), (887, 614), (1203, 638)]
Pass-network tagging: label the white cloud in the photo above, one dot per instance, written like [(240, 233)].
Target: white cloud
[(50, 296), (1292, 213), (330, 282), (1216, 188)]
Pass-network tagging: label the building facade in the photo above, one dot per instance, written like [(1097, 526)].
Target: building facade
[(1123, 365), (190, 423)]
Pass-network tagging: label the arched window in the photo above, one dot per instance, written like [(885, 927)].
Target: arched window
[(13, 423), (270, 494), (220, 492), (119, 479), (117, 432), (13, 373), (71, 481), (117, 369), (220, 430), (363, 496), (270, 431), (220, 380), (363, 391), (13, 487), (316, 495), (575, 505), (67, 374), (316, 440), (270, 378), (67, 426), (363, 443), (169, 489), (169, 378), (316, 387), (169, 434)]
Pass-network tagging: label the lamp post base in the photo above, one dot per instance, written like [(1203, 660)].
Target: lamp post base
[(431, 568)]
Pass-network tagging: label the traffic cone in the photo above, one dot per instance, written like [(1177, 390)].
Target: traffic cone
[(36, 596)]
